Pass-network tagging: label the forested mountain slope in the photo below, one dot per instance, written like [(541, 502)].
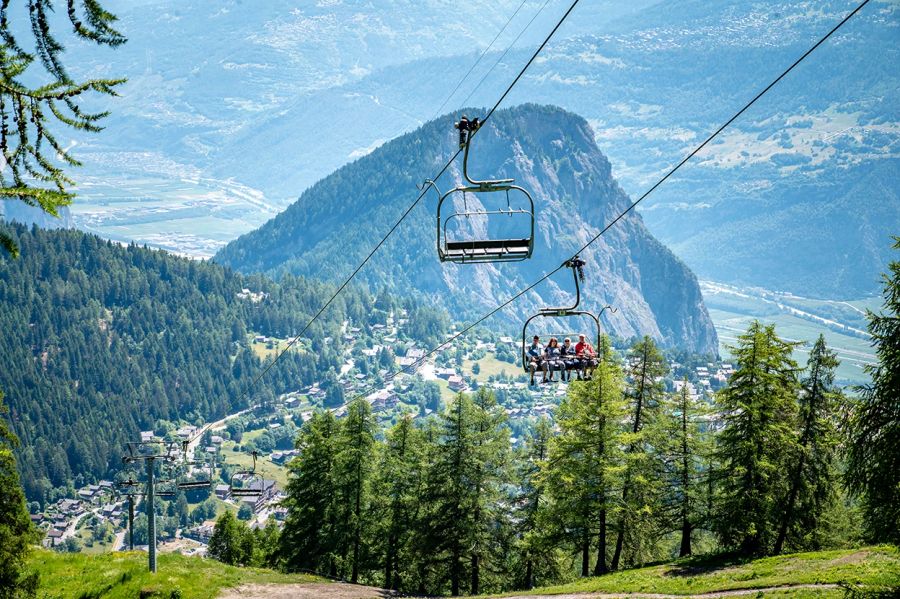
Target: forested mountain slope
[(99, 341), (547, 150)]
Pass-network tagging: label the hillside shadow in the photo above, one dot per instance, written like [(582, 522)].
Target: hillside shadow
[(704, 564)]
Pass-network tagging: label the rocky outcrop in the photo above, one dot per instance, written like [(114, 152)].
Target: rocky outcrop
[(549, 151)]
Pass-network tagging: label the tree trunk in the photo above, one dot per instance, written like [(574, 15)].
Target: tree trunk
[(454, 572), (475, 575), (586, 555), (529, 574), (389, 564), (685, 538), (600, 566)]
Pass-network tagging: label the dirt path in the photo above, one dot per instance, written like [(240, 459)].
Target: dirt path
[(712, 595), (349, 591), (335, 590)]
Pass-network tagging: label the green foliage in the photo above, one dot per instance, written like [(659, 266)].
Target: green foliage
[(16, 532), (585, 464), (102, 341), (124, 575), (873, 429), (759, 439), (30, 149)]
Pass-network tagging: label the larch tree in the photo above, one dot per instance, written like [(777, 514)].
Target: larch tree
[(873, 429), (584, 466), (534, 553), (758, 408), (396, 493), (646, 392), (813, 475), (38, 94), (686, 454), (16, 531), (353, 471), (309, 539)]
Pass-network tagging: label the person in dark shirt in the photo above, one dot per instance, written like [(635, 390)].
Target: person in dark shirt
[(567, 352), (553, 358)]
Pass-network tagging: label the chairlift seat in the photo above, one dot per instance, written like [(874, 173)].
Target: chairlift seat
[(487, 249), (195, 484)]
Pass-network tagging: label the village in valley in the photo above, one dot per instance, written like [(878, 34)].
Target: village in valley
[(252, 447)]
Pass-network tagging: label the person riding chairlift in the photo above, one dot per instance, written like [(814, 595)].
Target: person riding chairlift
[(553, 357), (567, 352), (536, 359), (587, 358)]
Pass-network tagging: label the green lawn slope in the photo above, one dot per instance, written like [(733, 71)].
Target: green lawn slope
[(872, 568), (125, 575)]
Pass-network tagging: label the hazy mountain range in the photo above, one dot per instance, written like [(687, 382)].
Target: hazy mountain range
[(233, 109)]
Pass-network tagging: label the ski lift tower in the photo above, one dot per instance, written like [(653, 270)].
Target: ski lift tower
[(150, 452)]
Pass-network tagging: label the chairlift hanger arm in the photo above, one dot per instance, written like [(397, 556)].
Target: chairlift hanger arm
[(577, 266)]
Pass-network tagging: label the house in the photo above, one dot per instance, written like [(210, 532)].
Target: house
[(415, 353), (444, 373), (456, 383), (186, 432), (54, 535), (223, 491), (146, 436), (216, 440)]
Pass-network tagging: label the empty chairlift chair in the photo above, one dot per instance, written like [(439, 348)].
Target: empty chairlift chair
[(251, 485), (455, 247)]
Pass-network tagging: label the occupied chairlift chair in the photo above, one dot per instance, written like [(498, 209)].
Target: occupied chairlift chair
[(481, 250), (577, 266), (253, 485)]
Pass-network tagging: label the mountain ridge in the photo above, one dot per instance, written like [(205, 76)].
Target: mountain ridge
[(547, 150)]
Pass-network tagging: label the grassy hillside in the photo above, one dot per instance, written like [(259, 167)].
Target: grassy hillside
[(125, 575), (876, 568)]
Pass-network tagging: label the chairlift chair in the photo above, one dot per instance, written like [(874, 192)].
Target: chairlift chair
[(195, 484), (576, 264), (451, 249), (253, 486)]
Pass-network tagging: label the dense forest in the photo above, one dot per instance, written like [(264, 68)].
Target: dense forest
[(101, 341), (627, 473)]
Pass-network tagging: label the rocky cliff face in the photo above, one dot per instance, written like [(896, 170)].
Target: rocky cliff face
[(548, 151)]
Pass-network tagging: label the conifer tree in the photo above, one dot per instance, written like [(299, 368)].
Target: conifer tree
[(225, 544), (353, 472), (647, 366), (398, 485), (535, 553), (873, 429), (813, 473), (585, 460), (759, 412), (28, 110), (16, 532), (686, 454), (491, 447), (309, 540), (448, 492)]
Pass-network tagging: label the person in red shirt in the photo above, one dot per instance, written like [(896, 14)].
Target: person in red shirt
[(587, 358)]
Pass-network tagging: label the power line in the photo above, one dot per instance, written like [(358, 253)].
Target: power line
[(631, 207), (406, 212), (478, 60)]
